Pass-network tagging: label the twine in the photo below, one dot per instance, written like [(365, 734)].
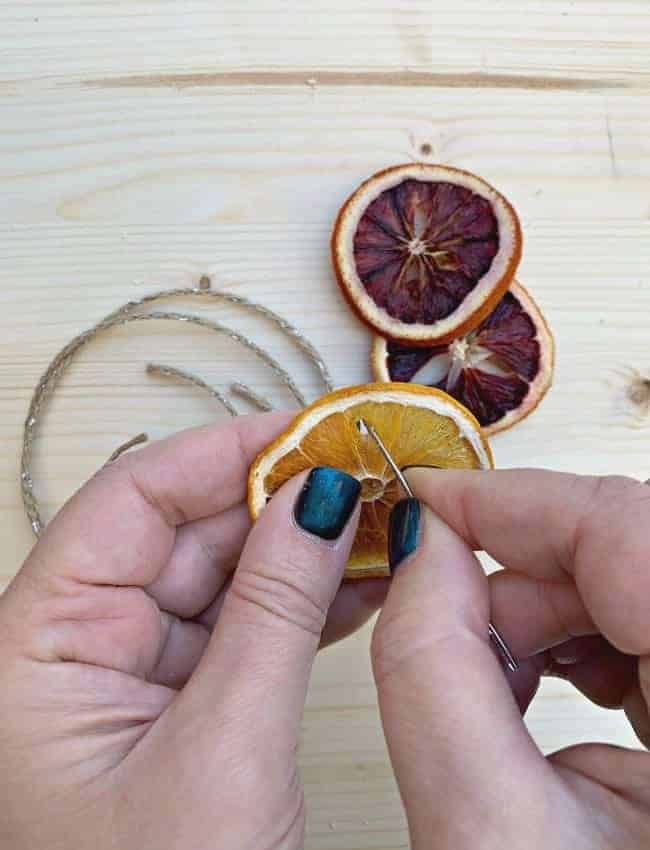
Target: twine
[(128, 313)]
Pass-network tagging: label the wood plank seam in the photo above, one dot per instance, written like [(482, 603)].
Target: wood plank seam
[(405, 78)]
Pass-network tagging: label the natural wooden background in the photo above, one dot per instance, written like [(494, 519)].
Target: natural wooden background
[(143, 144)]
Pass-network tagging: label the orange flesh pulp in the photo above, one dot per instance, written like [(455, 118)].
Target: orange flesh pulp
[(420, 248), (413, 435)]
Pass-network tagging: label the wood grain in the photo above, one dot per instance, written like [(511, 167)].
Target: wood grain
[(91, 38), (144, 144), (257, 155)]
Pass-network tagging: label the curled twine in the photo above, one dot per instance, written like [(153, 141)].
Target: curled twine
[(128, 313)]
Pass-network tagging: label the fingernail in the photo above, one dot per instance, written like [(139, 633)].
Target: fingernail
[(403, 531), (327, 502)]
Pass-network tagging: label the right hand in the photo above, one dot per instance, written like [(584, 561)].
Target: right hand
[(573, 600)]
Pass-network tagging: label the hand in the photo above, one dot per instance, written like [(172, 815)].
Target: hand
[(151, 698), (573, 600)]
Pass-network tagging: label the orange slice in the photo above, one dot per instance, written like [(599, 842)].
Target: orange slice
[(419, 426), (500, 371), (423, 253)]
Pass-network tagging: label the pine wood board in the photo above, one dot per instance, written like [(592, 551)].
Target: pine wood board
[(146, 144)]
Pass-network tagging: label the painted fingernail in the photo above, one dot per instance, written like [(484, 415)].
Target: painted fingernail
[(327, 502), (403, 531)]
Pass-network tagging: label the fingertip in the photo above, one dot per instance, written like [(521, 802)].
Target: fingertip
[(431, 557), (438, 489), (404, 531), (326, 502), (307, 527)]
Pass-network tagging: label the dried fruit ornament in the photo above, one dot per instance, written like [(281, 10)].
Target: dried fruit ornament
[(500, 371), (418, 425), (423, 253)]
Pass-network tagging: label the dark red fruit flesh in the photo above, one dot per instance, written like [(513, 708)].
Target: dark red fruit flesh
[(420, 248), (489, 369)]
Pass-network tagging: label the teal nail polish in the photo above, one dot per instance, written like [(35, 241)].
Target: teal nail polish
[(326, 502), (403, 531)]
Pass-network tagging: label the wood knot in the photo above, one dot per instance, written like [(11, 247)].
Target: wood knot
[(638, 391)]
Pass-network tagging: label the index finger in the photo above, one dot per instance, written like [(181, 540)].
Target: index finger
[(556, 526), (119, 528)]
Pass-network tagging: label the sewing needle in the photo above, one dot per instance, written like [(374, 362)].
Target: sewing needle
[(366, 429)]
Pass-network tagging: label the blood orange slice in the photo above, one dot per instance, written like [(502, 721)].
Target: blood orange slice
[(500, 371), (423, 253), (418, 425)]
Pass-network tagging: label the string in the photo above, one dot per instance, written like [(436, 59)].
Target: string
[(128, 313)]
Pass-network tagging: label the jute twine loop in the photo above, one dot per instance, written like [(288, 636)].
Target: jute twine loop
[(131, 312)]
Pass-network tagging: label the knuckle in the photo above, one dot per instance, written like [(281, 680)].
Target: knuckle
[(281, 593), (388, 646), (607, 489), (399, 638), (609, 494), (160, 502)]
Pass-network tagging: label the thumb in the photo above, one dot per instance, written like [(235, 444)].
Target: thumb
[(260, 655), (450, 719)]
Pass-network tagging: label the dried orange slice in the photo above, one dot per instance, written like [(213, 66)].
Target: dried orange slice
[(423, 253), (500, 371), (419, 426)]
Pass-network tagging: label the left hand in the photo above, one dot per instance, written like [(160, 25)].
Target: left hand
[(151, 695)]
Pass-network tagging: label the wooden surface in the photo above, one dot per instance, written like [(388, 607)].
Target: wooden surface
[(143, 144)]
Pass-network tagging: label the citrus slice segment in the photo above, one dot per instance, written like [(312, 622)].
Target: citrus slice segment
[(423, 252), (500, 371), (419, 426)]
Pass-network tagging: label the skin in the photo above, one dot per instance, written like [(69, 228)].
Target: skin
[(572, 600), (155, 654), (150, 696)]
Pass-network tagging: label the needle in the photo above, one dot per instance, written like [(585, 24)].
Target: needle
[(367, 430), (502, 646)]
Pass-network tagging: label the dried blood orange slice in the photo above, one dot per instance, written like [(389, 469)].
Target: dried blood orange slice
[(423, 253), (500, 370), (418, 425)]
